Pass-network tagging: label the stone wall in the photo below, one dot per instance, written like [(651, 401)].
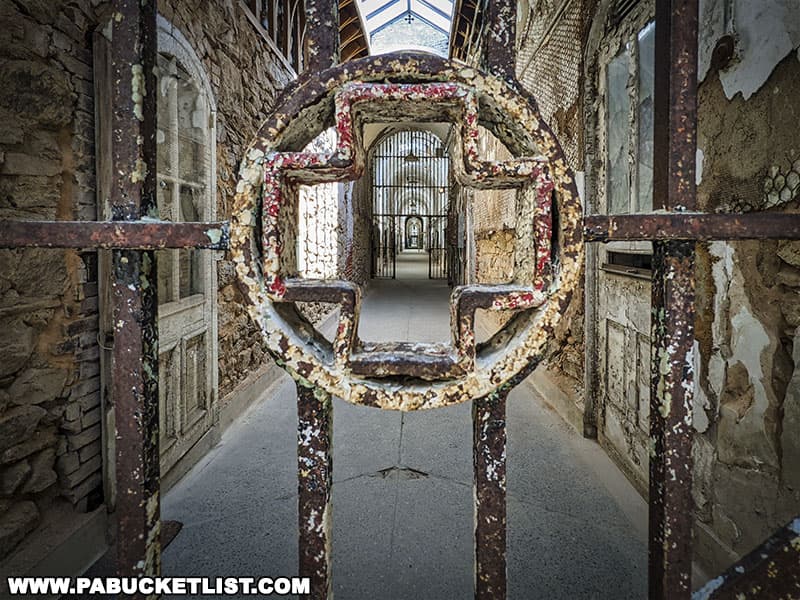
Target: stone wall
[(50, 446), (246, 74), (50, 430)]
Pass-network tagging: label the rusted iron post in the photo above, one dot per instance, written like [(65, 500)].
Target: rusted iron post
[(673, 311), (135, 354), (321, 44), (489, 482), (501, 39), (314, 482), (770, 571)]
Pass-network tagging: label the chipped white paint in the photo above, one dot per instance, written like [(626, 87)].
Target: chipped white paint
[(766, 33), (699, 398), (699, 159)]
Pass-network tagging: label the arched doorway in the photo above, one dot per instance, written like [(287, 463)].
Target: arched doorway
[(414, 234), (410, 172)]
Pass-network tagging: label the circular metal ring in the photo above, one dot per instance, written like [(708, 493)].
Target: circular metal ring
[(265, 206)]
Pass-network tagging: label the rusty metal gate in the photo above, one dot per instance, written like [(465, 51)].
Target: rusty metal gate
[(410, 171), (427, 88)]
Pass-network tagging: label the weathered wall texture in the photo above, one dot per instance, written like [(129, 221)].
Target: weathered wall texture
[(50, 431), (50, 449), (747, 456), (493, 221), (550, 66), (748, 293), (245, 74)]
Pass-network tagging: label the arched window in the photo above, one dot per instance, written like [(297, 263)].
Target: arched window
[(187, 282)]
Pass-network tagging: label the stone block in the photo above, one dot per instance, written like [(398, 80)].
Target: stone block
[(12, 477), (76, 494), (789, 252), (90, 401), (89, 451), (75, 442), (17, 346), (18, 163), (88, 388), (18, 423), (72, 412), (36, 385), (67, 463), (36, 92), (40, 439), (91, 417), (15, 524), (42, 473), (87, 469), (72, 427)]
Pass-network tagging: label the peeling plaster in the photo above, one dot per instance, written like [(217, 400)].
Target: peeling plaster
[(766, 32)]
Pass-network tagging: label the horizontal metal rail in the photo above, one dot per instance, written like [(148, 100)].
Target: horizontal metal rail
[(144, 234), (691, 226)]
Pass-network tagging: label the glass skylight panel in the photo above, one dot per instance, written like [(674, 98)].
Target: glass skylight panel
[(393, 25)]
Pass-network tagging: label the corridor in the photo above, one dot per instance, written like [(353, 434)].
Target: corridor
[(402, 496)]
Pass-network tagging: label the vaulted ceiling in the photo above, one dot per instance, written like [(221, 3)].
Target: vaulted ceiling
[(353, 41)]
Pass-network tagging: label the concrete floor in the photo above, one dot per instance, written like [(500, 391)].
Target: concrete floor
[(412, 264), (402, 499)]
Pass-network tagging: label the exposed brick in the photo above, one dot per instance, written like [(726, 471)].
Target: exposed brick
[(75, 478), (85, 388), (80, 492), (67, 463), (82, 325)]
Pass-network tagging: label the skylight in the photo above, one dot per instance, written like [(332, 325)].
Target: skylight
[(394, 25)]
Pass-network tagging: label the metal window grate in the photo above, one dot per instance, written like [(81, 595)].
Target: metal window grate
[(621, 9)]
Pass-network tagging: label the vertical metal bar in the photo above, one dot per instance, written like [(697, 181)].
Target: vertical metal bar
[(314, 483), (501, 39), (321, 49), (673, 311), (135, 354), (489, 482)]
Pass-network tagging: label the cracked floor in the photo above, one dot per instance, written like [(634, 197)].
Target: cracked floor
[(402, 498)]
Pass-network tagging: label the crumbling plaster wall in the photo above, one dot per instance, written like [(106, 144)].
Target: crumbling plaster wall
[(747, 410), (747, 407)]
